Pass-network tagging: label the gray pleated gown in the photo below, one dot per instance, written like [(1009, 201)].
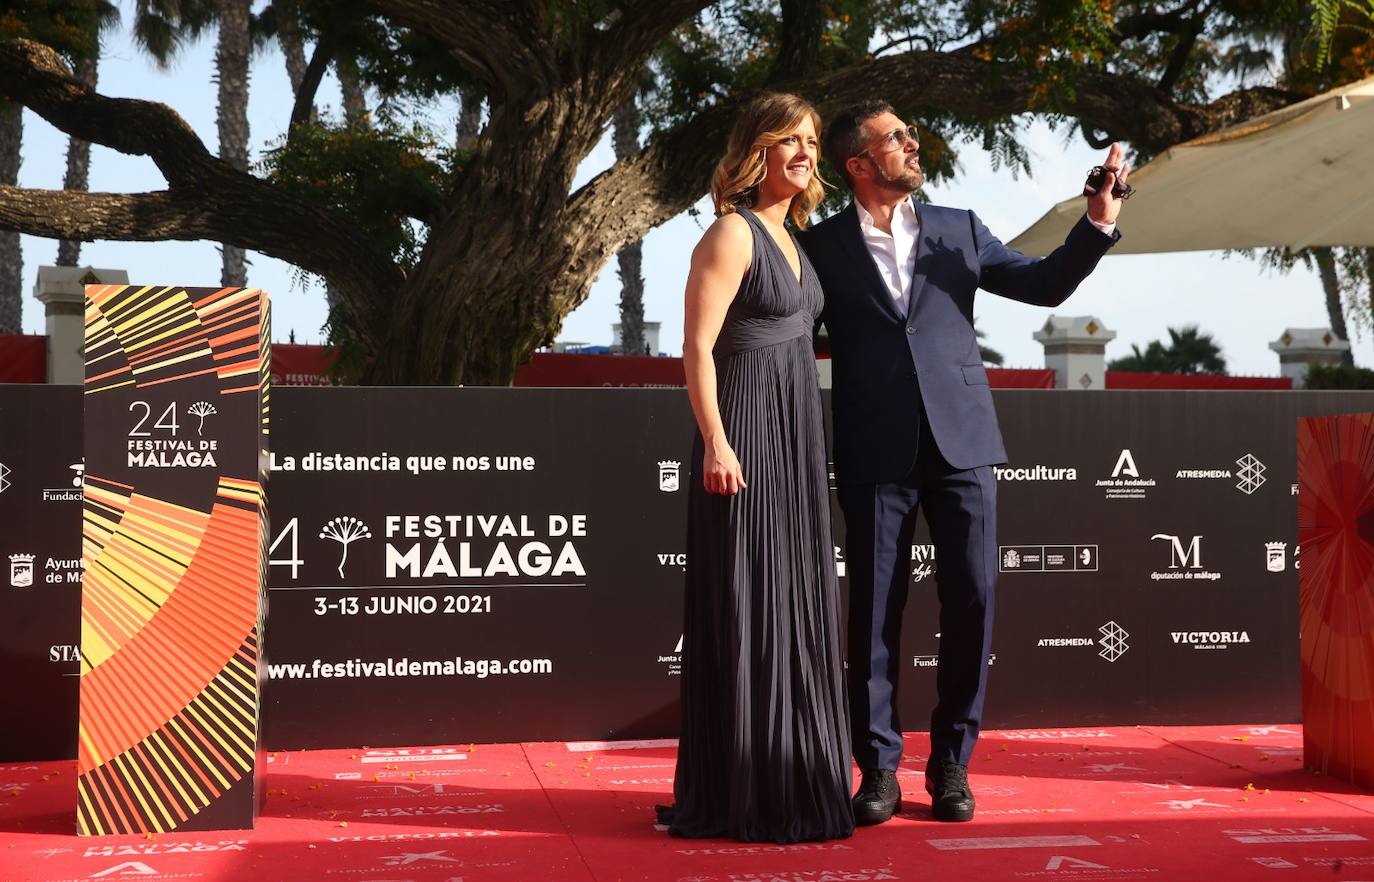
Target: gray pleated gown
[(764, 753)]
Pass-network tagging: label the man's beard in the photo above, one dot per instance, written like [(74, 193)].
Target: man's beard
[(909, 181)]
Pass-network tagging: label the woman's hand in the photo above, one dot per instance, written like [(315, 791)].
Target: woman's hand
[(722, 472)]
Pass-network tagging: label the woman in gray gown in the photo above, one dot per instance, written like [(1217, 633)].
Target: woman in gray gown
[(764, 752)]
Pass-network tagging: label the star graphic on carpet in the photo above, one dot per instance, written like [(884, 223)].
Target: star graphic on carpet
[(401, 860), (1186, 804), (1112, 767)]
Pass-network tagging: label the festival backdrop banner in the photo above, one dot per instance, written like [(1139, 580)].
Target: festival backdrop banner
[(456, 565), (174, 532), (40, 585)]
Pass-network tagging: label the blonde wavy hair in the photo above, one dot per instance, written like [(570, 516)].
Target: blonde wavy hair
[(767, 119)]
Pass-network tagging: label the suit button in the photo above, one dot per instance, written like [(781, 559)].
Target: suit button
[(911, 329)]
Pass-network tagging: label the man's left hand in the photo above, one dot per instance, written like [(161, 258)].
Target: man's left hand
[(1103, 207)]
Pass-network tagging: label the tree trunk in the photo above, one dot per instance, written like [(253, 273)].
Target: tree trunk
[(625, 138), (231, 69), (78, 166), (293, 50), (354, 99), (1331, 284), (11, 258), (469, 119)]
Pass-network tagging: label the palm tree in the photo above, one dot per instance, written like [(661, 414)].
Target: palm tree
[(11, 257), (78, 151), (1190, 351), (66, 27), (162, 27)]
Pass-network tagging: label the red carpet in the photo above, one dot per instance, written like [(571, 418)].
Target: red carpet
[(1195, 803)]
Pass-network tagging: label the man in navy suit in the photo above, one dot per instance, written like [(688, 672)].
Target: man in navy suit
[(915, 428)]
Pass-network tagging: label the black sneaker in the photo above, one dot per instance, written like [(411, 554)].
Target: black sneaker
[(878, 797), (951, 798)]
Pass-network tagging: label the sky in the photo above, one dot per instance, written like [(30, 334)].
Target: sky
[(1139, 297)]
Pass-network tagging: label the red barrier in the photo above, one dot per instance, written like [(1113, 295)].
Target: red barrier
[(1141, 380), (23, 358)]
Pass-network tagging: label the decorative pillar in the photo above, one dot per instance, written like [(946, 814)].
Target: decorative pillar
[(174, 554), (1075, 349), (62, 291), (1300, 348)]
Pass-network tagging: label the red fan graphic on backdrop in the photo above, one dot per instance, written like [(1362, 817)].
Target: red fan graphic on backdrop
[(1336, 607)]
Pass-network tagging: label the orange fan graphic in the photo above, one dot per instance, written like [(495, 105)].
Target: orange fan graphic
[(1336, 599)]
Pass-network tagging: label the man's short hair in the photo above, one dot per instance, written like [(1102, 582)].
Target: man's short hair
[(844, 136)]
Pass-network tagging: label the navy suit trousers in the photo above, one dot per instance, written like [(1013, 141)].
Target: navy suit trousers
[(960, 507)]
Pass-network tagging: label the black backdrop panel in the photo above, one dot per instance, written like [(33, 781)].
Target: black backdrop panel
[(531, 588), (583, 601), (40, 551)]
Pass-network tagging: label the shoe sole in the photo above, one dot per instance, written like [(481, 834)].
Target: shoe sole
[(947, 816), (866, 818)]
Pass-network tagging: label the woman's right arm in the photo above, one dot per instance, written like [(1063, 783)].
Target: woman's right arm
[(719, 263)]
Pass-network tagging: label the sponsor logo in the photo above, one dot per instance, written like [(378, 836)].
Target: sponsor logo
[(1113, 641), (414, 755), (986, 842), (1276, 556), (4, 477), (1126, 481), (1112, 644), (1048, 558), (21, 570), (1185, 562), (1249, 474), (345, 531), (673, 559), (922, 561), (933, 661), (1035, 473), (673, 659), (1209, 639), (67, 494), (669, 479)]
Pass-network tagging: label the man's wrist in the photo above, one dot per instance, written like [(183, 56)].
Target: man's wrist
[(1104, 228)]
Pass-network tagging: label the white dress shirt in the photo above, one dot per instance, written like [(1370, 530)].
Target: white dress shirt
[(895, 253)]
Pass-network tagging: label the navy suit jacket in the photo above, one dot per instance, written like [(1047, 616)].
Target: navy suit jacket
[(888, 369)]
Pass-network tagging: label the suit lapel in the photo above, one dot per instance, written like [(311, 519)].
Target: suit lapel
[(922, 264), (853, 240)]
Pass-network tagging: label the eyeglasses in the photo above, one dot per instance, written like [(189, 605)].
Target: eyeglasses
[(893, 140)]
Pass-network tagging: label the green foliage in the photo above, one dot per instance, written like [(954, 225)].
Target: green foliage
[(71, 27), (1339, 376), (383, 178), (1190, 351), (1329, 16)]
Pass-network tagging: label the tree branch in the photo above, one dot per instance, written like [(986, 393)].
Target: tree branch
[(504, 44), (673, 170), (207, 199), (304, 107)]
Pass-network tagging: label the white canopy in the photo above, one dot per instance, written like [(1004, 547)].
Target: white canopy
[(1302, 175)]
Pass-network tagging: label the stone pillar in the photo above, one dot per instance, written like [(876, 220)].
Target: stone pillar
[(62, 291), (1075, 349), (1300, 348)]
